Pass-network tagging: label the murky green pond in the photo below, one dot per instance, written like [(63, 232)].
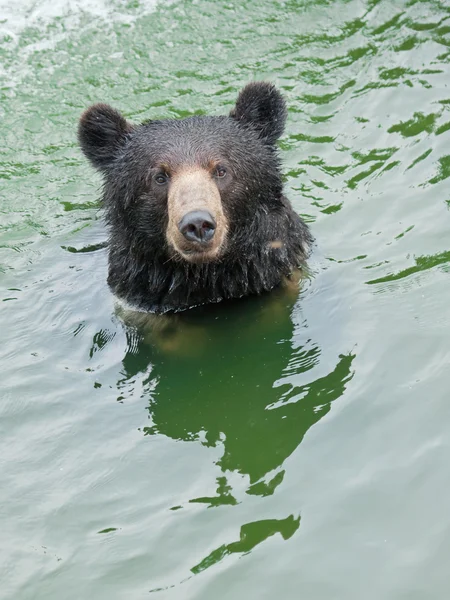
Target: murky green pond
[(272, 448)]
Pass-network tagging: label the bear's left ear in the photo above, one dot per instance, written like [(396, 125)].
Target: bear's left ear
[(262, 106), (101, 133)]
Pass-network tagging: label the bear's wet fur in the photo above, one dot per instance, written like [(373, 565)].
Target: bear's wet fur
[(225, 167)]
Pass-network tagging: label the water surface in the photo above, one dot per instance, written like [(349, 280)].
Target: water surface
[(276, 447)]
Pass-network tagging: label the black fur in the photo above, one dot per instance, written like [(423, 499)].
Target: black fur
[(267, 240), (262, 107), (101, 132)]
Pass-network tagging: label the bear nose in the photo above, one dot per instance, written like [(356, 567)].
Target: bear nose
[(197, 226)]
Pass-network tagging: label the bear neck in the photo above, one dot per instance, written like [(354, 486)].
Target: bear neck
[(253, 264), (158, 287), (161, 287)]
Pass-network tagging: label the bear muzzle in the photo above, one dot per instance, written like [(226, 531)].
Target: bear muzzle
[(197, 226)]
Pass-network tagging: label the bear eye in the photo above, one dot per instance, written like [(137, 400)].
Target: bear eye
[(161, 178), (220, 171)]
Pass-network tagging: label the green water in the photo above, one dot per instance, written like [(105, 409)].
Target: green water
[(273, 448)]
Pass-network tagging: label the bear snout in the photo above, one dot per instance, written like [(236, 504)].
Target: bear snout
[(198, 226)]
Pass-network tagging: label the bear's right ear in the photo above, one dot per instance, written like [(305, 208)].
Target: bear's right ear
[(261, 106), (101, 132)]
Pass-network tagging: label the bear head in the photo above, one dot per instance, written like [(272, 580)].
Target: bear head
[(190, 200)]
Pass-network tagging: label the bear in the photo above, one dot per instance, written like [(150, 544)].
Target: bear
[(195, 206)]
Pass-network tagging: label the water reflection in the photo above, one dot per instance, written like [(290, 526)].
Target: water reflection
[(422, 263), (251, 535), (245, 377), (240, 375)]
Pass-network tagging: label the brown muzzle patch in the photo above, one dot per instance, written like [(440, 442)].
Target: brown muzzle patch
[(197, 225)]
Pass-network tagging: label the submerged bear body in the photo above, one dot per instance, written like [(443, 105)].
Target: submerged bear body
[(195, 206)]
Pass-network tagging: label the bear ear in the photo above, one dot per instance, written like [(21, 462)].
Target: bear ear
[(101, 132), (262, 106)]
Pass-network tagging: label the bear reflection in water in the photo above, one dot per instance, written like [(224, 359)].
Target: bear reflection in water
[(234, 374)]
